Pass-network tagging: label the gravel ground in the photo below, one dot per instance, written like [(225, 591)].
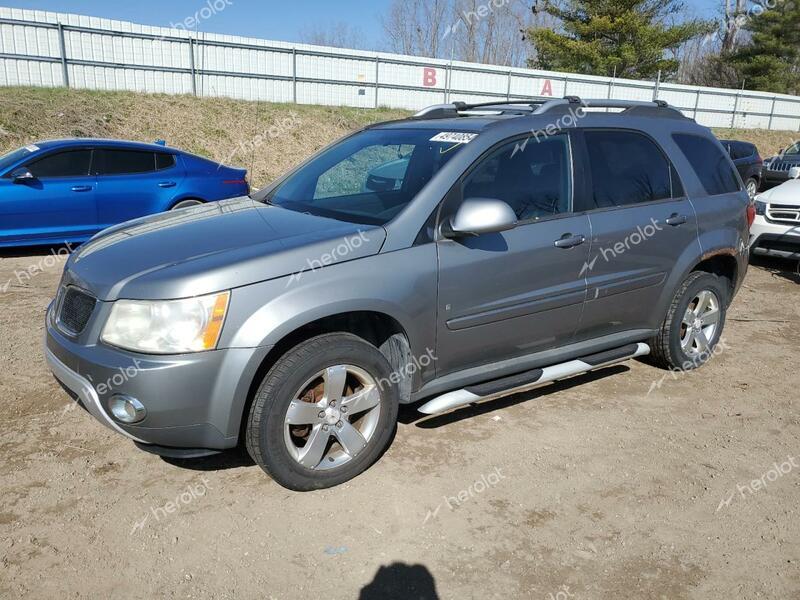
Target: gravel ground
[(625, 483)]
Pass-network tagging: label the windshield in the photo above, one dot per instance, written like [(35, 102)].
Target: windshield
[(12, 157), (793, 150), (369, 177)]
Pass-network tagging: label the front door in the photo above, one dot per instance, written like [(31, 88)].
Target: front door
[(513, 293), (56, 205)]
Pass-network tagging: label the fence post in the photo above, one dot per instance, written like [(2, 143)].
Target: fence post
[(192, 66), (696, 104), (735, 108), (377, 77), (772, 112), (62, 44), (294, 75), (508, 88), (566, 81), (657, 87)]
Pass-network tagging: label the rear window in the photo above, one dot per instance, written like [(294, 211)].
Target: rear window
[(741, 150), (124, 162), (164, 161), (712, 167), (74, 163)]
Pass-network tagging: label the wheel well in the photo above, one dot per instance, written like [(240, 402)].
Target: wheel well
[(174, 204), (379, 329), (722, 265)]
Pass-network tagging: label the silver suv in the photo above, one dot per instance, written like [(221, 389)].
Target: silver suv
[(517, 243)]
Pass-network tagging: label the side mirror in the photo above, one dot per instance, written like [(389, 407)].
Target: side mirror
[(794, 173), (21, 175), (477, 216)]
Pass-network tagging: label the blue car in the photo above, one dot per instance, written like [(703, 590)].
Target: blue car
[(64, 191)]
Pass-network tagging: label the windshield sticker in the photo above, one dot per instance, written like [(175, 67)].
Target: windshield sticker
[(454, 137), (32, 148)]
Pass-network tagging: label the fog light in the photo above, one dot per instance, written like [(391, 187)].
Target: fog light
[(126, 409)]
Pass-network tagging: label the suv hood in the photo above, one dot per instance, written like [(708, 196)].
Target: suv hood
[(213, 247), (786, 193)]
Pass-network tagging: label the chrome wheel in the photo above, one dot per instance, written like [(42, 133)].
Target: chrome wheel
[(332, 417), (752, 187), (700, 322)]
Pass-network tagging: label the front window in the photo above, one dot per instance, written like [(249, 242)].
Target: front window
[(370, 177), (793, 150), (15, 156)]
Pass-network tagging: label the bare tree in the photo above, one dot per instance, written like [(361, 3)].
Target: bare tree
[(416, 27), (735, 18), (337, 35), (485, 31)]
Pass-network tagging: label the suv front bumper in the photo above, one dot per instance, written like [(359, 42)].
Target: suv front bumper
[(193, 401), (774, 239)]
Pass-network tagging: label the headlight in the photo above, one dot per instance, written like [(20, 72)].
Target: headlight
[(167, 326), (761, 207)]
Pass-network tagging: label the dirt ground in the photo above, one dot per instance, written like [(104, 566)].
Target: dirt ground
[(627, 483)]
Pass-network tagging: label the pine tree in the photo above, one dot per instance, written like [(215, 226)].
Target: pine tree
[(771, 63), (633, 38)]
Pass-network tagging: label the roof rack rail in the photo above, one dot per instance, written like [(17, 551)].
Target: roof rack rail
[(540, 106), (453, 109), (625, 105)]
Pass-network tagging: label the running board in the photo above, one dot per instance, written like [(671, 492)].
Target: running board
[(522, 382)]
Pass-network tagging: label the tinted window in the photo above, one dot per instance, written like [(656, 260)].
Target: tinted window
[(73, 163), (122, 162), (369, 177), (164, 161), (740, 150), (628, 168), (534, 178), (712, 167)]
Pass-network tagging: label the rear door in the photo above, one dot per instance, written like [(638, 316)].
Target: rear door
[(509, 294), (58, 204), (134, 183), (641, 221)]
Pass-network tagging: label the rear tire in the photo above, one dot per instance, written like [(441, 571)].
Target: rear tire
[(300, 430), (751, 185), (693, 325)]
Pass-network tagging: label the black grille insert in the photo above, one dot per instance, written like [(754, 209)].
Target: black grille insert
[(76, 309)]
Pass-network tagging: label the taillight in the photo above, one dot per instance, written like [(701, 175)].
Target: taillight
[(751, 214)]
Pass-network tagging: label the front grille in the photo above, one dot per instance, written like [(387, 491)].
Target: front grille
[(76, 310), (783, 213), (783, 166)]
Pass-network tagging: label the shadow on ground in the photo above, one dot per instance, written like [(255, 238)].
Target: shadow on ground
[(400, 581)]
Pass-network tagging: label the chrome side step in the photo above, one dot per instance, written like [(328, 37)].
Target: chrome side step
[(522, 382)]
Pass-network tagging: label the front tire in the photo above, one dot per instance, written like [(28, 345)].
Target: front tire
[(693, 325), (324, 413)]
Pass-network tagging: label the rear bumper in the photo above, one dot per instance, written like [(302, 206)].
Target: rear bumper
[(193, 401)]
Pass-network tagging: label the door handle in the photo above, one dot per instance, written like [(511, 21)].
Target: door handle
[(569, 241), (166, 184), (82, 188), (675, 219)]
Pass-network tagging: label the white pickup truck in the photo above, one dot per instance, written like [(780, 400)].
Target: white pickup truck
[(776, 229)]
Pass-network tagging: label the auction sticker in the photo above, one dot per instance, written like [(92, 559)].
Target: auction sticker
[(454, 137)]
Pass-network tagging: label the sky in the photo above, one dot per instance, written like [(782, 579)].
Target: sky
[(267, 19)]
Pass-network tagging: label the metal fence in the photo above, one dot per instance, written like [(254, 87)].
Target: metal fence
[(54, 49)]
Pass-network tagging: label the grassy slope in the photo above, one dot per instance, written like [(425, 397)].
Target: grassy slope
[(266, 138)]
